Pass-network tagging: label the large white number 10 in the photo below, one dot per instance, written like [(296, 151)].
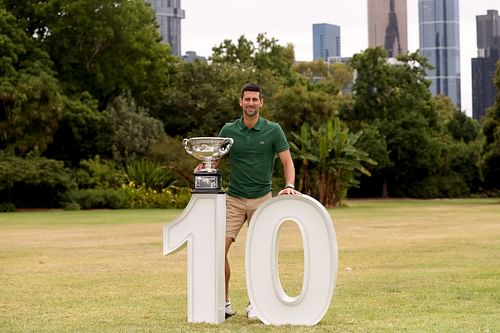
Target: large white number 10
[(202, 225)]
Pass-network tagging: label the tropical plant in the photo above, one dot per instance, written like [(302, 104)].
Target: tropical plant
[(330, 159), (149, 174)]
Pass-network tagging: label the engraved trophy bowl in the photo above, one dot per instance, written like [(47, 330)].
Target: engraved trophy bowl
[(207, 150)]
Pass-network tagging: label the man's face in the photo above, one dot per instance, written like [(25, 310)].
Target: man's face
[(251, 103)]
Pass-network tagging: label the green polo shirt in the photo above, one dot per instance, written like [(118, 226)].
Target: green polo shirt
[(252, 156)]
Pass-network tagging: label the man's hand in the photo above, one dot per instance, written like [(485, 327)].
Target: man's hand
[(199, 167), (288, 191)]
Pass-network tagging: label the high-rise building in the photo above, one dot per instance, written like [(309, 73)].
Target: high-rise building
[(326, 41), (440, 43), (387, 26), (483, 67), (168, 16)]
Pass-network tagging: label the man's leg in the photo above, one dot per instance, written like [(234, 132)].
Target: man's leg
[(229, 241)]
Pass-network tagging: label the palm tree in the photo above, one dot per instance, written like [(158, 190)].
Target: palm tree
[(330, 159)]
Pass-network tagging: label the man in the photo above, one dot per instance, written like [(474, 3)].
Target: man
[(256, 143)]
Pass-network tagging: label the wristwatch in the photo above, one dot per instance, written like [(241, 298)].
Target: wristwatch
[(290, 186)]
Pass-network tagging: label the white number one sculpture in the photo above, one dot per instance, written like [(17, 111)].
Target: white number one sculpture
[(202, 225)]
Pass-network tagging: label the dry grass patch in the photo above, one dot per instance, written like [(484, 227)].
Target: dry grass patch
[(405, 265)]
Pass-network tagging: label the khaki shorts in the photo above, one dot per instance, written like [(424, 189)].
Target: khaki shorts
[(239, 210)]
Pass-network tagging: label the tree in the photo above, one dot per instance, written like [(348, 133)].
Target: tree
[(30, 99), (330, 161), (82, 132), (491, 129), (105, 47), (132, 131), (396, 100)]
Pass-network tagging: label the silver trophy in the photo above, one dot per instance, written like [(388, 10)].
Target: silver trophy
[(208, 150)]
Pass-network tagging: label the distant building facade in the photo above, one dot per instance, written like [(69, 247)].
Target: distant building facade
[(191, 56), (168, 16), (484, 66), (387, 26), (326, 41), (440, 43)]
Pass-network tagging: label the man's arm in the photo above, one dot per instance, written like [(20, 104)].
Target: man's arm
[(288, 171)]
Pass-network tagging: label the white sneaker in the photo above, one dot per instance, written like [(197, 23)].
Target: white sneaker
[(229, 309), (251, 314)]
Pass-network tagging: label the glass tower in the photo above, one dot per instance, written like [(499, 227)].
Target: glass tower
[(326, 41), (440, 43), (168, 16), (387, 26), (484, 66)]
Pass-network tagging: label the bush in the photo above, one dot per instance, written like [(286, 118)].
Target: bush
[(34, 181), (100, 198), (148, 173), (99, 173), (7, 207)]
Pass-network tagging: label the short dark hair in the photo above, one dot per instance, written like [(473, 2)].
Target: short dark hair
[(251, 87)]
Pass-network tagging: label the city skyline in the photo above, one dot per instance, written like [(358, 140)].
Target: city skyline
[(207, 24)]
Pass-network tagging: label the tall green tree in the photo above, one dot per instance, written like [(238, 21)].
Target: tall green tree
[(30, 96), (104, 47), (491, 129), (394, 97)]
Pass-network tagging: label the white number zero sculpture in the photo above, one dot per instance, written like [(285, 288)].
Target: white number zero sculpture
[(271, 303)]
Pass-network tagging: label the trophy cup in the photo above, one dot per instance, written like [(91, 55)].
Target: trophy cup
[(208, 150)]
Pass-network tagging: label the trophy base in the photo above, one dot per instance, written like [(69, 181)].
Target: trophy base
[(207, 182)]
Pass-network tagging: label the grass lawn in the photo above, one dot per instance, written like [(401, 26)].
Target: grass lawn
[(404, 266)]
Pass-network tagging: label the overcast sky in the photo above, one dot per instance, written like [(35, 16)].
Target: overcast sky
[(208, 23)]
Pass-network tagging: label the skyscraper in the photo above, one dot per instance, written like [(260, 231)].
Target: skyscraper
[(387, 26), (483, 67), (168, 17), (326, 41), (440, 43)]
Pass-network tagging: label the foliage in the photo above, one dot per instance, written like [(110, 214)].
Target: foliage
[(491, 151), (293, 106), (395, 99), (200, 99), (30, 104), (139, 196), (6, 207), (133, 132), (339, 76), (100, 198), (265, 54), (34, 181), (149, 174), (98, 173), (104, 47), (81, 133), (330, 161)]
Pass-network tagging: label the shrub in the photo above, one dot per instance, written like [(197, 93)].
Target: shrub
[(148, 173), (142, 197), (99, 173), (7, 207), (100, 198), (34, 181)]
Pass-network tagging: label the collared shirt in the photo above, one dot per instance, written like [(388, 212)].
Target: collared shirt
[(252, 156)]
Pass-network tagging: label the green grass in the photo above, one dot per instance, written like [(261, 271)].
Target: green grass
[(405, 266)]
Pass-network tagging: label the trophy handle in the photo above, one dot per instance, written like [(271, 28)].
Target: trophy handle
[(226, 145), (185, 143)]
